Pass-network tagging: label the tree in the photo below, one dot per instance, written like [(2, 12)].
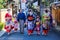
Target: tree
[(9, 1), (2, 3)]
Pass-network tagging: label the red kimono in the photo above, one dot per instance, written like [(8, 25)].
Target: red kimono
[(8, 22)]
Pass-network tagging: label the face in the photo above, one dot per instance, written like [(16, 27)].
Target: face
[(37, 19), (31, 13), (20, 10), (8, 11)]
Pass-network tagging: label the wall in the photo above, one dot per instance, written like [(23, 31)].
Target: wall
[(3, 12)]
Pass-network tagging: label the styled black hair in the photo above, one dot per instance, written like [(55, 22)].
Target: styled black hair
[(8, 9), (38, 16), (46, 11), (20, 9), (30, 10)]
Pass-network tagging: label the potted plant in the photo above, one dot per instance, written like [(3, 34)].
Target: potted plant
[(1, 26)]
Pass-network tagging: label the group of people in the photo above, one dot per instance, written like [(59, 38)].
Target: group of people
[(9, 24), (31, 21)]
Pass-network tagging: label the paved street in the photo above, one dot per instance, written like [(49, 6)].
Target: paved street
[(17, 36), (32, 9)]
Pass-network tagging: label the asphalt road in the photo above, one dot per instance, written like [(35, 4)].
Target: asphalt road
[(17, 36)]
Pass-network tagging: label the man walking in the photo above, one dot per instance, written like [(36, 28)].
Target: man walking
[(21, 19)]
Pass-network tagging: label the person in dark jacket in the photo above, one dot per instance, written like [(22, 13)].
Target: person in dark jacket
[(21, 19)]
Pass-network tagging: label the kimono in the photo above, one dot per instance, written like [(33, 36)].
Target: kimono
[(15, 25), (30, 24), (7, 27), (45, 17), (8, 23), (45, 27), (45, 23), (37, 26)]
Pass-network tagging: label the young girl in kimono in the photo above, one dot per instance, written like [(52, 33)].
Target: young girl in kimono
[(45, 28), (37, 25), (15, 24)]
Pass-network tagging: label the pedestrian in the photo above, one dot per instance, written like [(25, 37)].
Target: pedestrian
[(21, 19), (16, 25), (37, 25), (8, 22), (45, 22), (30, 22), (45, 29)]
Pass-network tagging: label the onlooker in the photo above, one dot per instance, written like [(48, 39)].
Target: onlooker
[(16, 25), (21, 19)]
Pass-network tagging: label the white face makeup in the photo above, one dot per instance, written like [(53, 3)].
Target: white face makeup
[(31, 13), (8, 11)]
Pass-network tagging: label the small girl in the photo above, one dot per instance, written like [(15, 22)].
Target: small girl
[(15, 24), (45, 28), (37, 25)]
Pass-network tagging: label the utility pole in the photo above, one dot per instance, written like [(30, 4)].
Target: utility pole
[(40, 7)]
